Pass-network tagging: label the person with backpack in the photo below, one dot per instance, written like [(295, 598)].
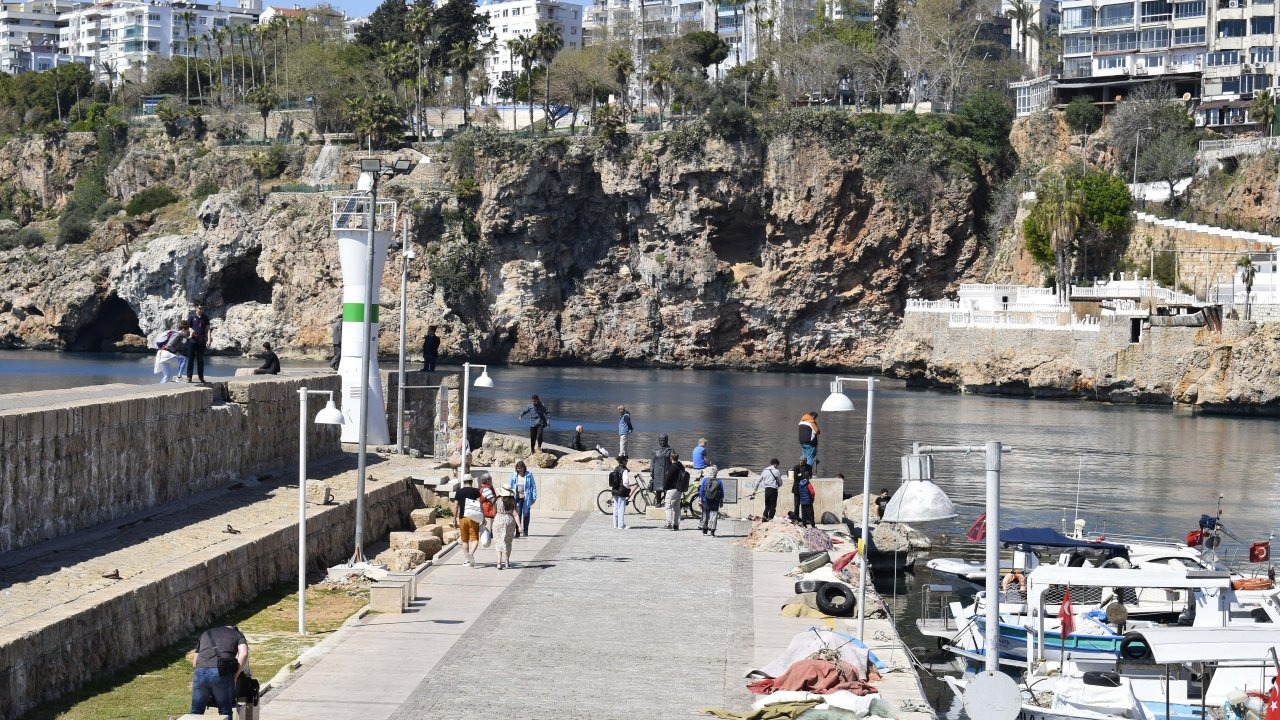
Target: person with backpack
[(222, 654), (488, 500), (525, 490), (711, 491), (806, 495), (620, 488), (172, 353), (677, 484), (799, 474), (538, 422), (771, 479)]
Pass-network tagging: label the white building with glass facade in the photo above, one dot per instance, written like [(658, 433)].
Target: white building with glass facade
[(29, 35), (120, 36), (510, 19)]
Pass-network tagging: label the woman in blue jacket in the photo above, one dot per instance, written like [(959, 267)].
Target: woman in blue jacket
[(525, 491)]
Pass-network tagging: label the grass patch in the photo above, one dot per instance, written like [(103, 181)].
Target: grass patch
[(159, 685)]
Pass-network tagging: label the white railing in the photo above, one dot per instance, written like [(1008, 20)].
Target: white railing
[(1218, 149), (936, 306), (1133, 289), (1020, 319)]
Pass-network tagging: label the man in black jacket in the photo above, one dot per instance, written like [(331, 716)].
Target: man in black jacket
[(800, 474), (677, 484)]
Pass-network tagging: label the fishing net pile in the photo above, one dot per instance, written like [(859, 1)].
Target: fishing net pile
[(783, 536)]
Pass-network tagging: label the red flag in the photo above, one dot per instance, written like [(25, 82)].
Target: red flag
[(1273, 701), (978, 530), (1067, 615), (1195, 538), (1260, 552)]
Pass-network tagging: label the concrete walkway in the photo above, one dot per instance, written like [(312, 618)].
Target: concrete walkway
[(593, 623)]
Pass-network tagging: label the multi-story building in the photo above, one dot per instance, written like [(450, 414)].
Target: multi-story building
[(1219, 52), (509, 19), (29, 35), (1046, 15), (122, 35)]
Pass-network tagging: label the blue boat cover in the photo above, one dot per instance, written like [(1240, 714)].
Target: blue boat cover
[(1048, 537)]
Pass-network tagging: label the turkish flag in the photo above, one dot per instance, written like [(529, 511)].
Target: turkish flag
[(978, 530), (1067, 616), (1260, 552), (1273, 701)]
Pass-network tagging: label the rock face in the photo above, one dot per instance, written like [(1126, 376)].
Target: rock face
[(1231, 371), (757, 254)]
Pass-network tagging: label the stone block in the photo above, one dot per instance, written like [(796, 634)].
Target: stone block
[(451, 536), (433, 530), (543, 460), (423, 517), (319, 493), (387, 597), (430, 545), (401, 560)]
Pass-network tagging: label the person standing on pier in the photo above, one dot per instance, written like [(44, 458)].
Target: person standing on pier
[(658, 468), (801, 473), (619, 482), (201, 336), (506, 523), (711, 492), (624, 430), (335, 331), (677, 484), (809, 433), (805, 494), (430, 350), (771, 480), (525, 490), (538, 422)]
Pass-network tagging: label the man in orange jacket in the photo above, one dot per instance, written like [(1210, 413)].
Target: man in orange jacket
[(809, 433)]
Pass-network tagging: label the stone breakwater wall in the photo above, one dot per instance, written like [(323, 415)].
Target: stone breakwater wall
[(47, 655), (1232, 371), (71, 459)]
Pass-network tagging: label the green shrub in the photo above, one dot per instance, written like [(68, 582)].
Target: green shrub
[(204, 188), (467, 189), (108, 209), (152, 198), (729, 119), (1083, 116), (991, 117), (28, 237), (73, 228)]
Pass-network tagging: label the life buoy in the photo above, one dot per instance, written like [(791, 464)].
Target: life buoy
[(1134, 647), (1254, 583)]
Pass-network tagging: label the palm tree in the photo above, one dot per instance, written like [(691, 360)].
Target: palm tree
[(220, 37), (622, 64), (265, 98), (524, 48), (187, 17), (737, 5), (376, 117), (193, 46), (549, 42), (1263, 109), (463, 58), (1022, 13), (1043, 35), (419, 21), (1247, 272), (1063, 205), (659, 76), (397, 64)]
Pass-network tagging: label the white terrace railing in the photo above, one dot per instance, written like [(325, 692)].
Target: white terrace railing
[(1218, 149), (1141, 289), (1045, 317)]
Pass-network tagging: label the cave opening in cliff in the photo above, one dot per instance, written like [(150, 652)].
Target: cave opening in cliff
[(738, 239), (114, 319), (240, 282)]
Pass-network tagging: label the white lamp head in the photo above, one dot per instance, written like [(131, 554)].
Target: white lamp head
[(837, 401), (330, 415), (918, 499), (484, 380)]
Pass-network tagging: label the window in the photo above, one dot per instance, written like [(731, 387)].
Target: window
[(1188, 36), (1117, 42), (1263, 25), (1151, 61), (1077, 44), (573, 31), (1157, 11), (1231, 28), (1223, 58), (202, 20), (1157, 39), (1112, 62), (1230, 86), (154, 17), (219, 22), (1261, 55), (1079, 18), (1113, 15), (504, 13), (1077, 67), (1185, 58)]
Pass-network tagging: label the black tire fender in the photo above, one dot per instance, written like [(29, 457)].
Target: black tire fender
[(808, 586), (836, 599), (1134, 647)]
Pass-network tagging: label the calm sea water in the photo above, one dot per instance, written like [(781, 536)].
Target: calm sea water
[(1130, 470)]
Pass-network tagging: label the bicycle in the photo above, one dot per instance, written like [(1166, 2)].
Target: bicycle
[(642, 496)]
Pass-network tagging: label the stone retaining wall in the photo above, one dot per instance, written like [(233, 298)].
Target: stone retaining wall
[(49, 654), (75, 458)]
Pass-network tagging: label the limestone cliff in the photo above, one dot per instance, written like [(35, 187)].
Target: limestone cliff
[(778, 252)]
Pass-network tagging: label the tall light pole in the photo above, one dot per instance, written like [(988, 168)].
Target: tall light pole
[(483, 381), (373, 166), (408, 255), (330, 415), (837, 401)]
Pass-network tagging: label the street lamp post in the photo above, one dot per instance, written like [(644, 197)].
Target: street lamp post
[(409, 254), (837, 401), (483, 381), (330, 415)]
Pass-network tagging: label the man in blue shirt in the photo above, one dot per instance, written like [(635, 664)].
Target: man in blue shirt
[(700, 458), (624, 430)]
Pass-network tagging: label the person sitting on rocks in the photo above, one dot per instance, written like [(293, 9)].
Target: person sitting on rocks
[(270, 361)]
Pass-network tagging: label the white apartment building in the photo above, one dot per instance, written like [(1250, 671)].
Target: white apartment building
[(1221, 51), (29, 35), (1046, 15), (121, 35), (510, 19)]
